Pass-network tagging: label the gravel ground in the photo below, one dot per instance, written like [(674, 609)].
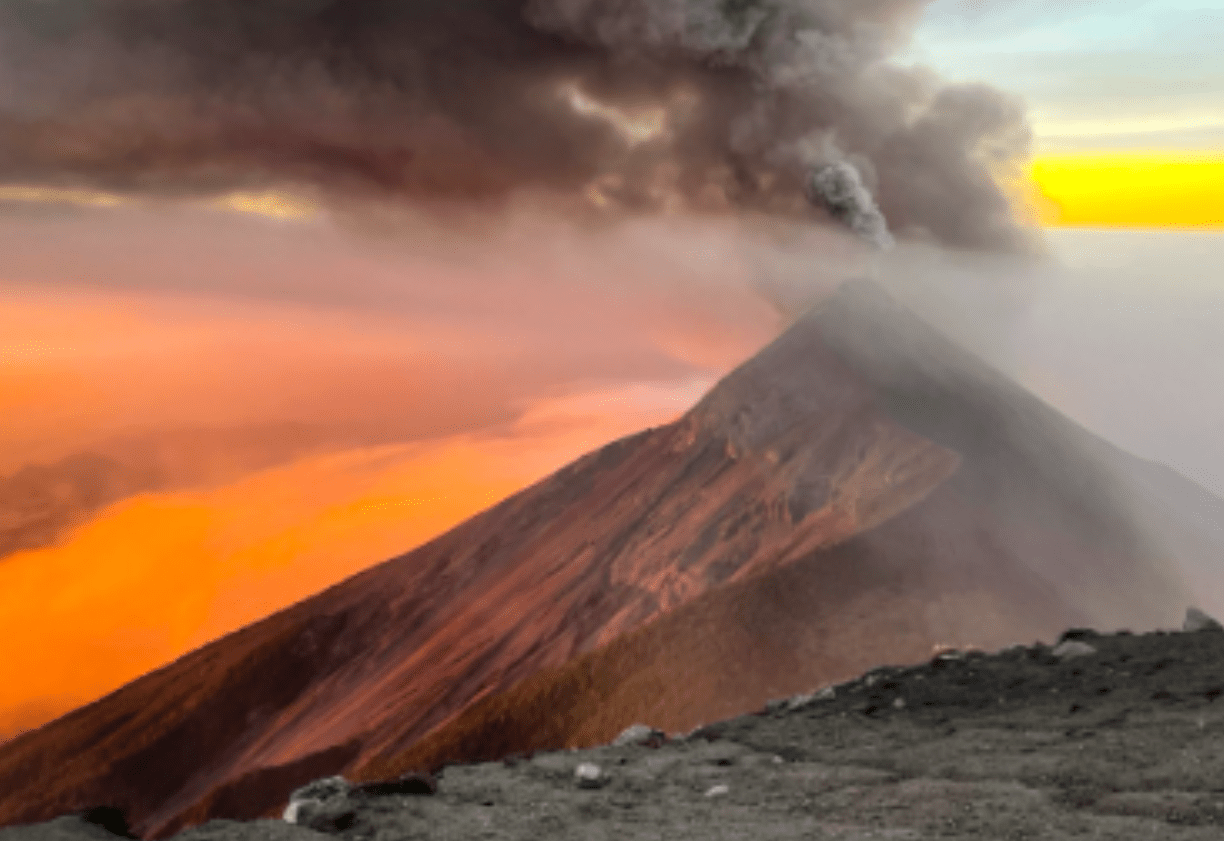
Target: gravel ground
[(1125, 741)]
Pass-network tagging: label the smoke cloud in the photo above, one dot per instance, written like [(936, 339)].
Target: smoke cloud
[(840, 189), (625, 107)]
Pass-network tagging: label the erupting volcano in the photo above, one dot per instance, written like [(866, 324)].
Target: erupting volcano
[(858, 492)]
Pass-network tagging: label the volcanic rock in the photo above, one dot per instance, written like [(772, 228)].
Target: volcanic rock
[(322, 804), (1126, 744), (590, 775), (1197, 620), (640, 734), (1072, 648)]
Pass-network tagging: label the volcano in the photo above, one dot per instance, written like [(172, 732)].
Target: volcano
[(860, 491)]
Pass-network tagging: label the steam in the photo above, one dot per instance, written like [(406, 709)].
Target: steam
[(618, 108)]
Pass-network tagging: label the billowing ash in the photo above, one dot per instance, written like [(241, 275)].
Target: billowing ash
[(839, 188), (625, 106)]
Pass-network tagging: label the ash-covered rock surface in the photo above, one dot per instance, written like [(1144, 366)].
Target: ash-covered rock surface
[(1119, 736)]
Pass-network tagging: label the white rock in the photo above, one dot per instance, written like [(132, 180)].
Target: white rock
[(291, 811), (314, 793), (1072, 648), (798, 702), (718, 790), (899, 704), (1197, 620), (589, 775), (638, 734), (826, 694)]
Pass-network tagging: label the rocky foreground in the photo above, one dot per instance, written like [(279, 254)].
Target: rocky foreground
[(1097, 736)]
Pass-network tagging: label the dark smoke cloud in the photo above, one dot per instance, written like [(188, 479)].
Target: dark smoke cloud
[(622, 105), (839, 188)]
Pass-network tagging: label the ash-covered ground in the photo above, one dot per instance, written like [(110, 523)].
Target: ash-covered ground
[(1115, 736)]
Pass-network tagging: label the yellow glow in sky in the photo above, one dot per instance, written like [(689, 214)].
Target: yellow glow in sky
[(270, 204), (1131, 190), (58, 195)]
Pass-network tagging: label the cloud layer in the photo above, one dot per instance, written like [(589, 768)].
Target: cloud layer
[(629, 106)]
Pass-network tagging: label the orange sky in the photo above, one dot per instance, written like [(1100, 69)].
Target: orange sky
[(397, 348), (157, 575)]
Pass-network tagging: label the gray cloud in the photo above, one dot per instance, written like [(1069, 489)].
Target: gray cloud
[(712, 106), (839, 188)]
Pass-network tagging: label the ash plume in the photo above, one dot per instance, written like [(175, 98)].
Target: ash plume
[(840, 189), (625, 106)]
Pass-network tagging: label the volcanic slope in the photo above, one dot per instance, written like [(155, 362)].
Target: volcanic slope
[(1007, 549), (983, 515)]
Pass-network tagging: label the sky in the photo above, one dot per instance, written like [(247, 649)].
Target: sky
[(1122, 74), (438, 367)]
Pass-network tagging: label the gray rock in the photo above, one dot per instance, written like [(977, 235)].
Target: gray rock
[(1072, 648), (322, 789), (322, 805), (798, 702), (1197, 620), (640, 734), (333, 815)]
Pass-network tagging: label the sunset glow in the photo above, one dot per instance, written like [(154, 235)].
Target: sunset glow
[(1131, 190), (430, 416), (204, 563)]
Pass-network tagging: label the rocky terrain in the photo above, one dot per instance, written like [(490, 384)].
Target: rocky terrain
[(1094, 736), (858, 492)]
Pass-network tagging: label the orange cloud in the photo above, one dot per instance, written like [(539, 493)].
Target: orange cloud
[(130, 321), (158, 575), (1131, 190), (81, 367)]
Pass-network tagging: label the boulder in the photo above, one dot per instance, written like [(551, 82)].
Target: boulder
[(589, 775), (334, 815), (1072, 648), (322, 805), (640, 734), (331, 804), (1197, 620), (322, 789)]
